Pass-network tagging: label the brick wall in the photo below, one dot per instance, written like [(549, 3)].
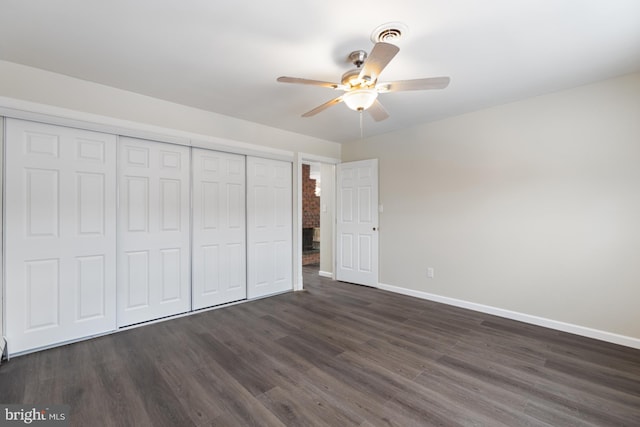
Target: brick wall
[(310, 213), (310, 203), (311, 258)]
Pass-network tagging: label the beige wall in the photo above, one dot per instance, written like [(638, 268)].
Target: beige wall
[(532, 207), (35, 85)]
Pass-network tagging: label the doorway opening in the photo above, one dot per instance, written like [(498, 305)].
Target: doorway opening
[(311, 237), (348, 232), (317, 192)]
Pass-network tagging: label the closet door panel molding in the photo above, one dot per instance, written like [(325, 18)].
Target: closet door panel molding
[(60, 234), (219, 230), (154, 271), (269, 227)]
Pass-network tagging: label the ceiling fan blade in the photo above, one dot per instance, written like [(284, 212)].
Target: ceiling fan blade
[(297, 80), (417, 84), (323, 107), (381, 54), (377, 111)]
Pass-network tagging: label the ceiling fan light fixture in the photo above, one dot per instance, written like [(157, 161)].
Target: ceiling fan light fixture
[(360, 85), (360, 99)]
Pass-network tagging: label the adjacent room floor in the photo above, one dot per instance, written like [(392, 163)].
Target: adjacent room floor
[(335, 355)]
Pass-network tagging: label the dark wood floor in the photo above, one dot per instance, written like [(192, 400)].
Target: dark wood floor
[(336, 355)]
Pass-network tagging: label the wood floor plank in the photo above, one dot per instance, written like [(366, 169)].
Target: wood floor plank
[(587, 391), (435, 409), (120, 396), (238, 405), (379, 353), (355, 404), (160, 402), (495, 402), (553, 416), (526, 385), (201, 404), (603, 375), (250, 377), (617, 406), (334, 355), (303, 409)]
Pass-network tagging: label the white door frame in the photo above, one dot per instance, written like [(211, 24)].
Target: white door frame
[(299, 160)]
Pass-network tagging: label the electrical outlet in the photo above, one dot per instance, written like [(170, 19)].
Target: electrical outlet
[(430, 272)]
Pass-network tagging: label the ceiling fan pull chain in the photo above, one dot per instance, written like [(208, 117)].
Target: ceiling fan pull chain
[(361, 124)]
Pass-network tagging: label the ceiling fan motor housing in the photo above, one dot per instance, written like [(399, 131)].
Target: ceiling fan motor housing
[(351, 78)]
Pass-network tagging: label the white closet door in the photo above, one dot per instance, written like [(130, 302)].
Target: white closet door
[(154, 264), (60, 234), (219, 229), (269, 227)]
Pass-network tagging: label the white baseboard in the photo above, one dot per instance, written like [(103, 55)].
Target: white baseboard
[(325, 274), (522, 317)]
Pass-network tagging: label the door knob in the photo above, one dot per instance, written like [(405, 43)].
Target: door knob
[(374, 229)]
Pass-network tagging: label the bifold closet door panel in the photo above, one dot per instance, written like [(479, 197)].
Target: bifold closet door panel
[(219, 228), (60, 201), (269, 227), (154, 261)]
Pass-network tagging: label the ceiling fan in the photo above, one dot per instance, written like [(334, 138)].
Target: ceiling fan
[(360, 85)]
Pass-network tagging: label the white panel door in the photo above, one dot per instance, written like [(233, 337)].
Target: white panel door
[(219, 228), (269, 227), (60, 234), (154, 264), (357, 222)]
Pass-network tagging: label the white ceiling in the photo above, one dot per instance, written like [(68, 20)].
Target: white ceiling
[(225, 55)]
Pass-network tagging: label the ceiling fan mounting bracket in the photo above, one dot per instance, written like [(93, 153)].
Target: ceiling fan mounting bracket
[(357, 57)]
